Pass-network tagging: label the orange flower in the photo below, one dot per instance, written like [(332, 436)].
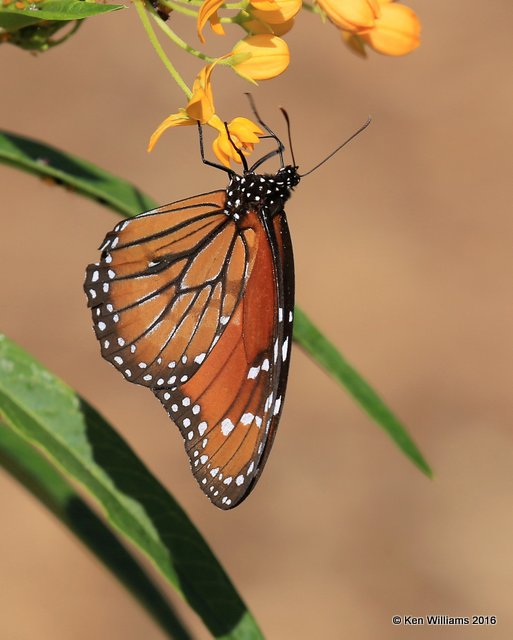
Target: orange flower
[(389, 28), (270, 56), (351, 15), (208, 12), (244, 134), (396, 32), (200, 108), (274, 11)]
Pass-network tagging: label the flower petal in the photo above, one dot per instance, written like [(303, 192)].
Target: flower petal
[(201, 104), (351, 15), (255, 26), (208, 11), (244, 134), (396, 32), (270, 56), (275, 11), (179, 119)]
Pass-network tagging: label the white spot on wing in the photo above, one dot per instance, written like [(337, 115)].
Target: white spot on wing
[(247, 418), (284, 349), (253, 372), (227, 426)]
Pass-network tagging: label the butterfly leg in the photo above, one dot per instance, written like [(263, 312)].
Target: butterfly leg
[(209, 162)]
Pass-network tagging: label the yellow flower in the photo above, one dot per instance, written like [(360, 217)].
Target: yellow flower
[(244, 134), (179, 119), (396, 32), (269, 56), (208, 12), (200, 108), (201, 105), (351, 15), (387, 27), (274, 11)]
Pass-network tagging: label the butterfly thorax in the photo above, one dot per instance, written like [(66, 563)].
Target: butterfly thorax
[(265, 192)]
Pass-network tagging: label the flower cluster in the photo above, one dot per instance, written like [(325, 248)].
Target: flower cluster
[(386, 26), (243, 133)]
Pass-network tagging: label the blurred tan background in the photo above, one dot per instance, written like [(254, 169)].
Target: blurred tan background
[(403, 247)]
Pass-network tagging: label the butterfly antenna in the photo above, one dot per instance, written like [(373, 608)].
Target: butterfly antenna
[(279, 150), (287, 120), (356, 133)]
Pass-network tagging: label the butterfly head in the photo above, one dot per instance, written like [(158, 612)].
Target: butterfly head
[(266, 193), (289, 175)]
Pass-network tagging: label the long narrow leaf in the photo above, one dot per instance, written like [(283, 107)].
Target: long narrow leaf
[(91, 181), (71, 171), (39, 477), (326, 355), (47, 413)]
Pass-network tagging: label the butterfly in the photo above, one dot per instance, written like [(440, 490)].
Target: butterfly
[(195, 300)]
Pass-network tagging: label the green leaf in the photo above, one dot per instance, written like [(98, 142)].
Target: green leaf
[(39, 477), (122, 197), (12, 18), (81, 176), (48, 414), (325, 353)]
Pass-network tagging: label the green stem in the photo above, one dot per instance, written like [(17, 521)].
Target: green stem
[(178, 41), (179, 8), (141, 10)]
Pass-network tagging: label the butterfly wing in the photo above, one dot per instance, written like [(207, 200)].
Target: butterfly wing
[(198, 307)]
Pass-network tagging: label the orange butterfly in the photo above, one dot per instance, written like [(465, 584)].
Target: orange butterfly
[(195, 300)]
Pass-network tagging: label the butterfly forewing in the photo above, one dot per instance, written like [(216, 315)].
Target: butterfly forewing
[(196, 303), (155, 316)]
